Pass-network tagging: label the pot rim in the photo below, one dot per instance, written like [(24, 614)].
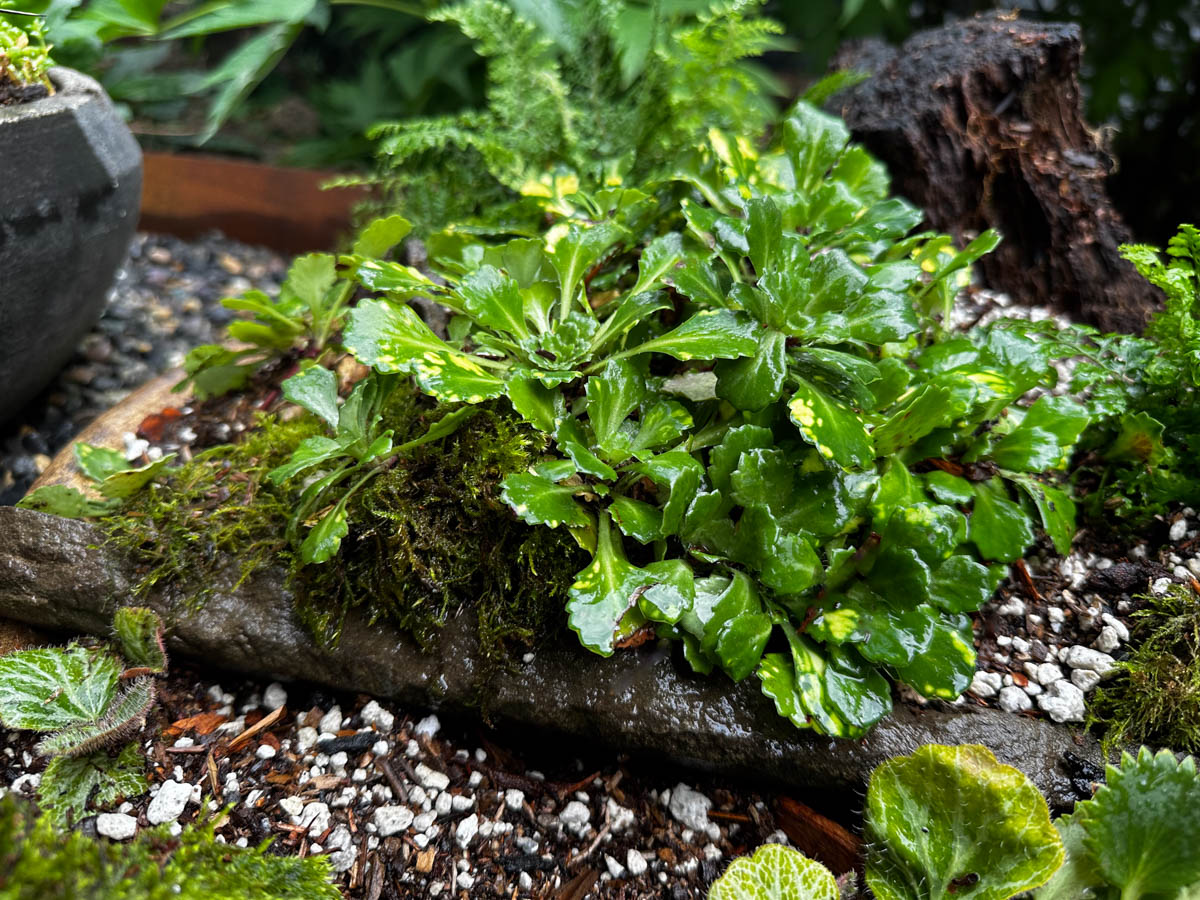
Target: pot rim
[(72, 90)]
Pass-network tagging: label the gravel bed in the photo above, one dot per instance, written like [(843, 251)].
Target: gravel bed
[(166, 300), (405, 807)]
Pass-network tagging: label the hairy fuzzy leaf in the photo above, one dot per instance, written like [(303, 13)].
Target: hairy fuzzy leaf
[(139, 634), (775, 872), (1143, 825), (45, 690), (123, 719), (69, 783), (925, 817)]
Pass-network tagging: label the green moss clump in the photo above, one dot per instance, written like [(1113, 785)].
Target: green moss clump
[(429, 538), (1154, 699), (36, 861), (219, 503)]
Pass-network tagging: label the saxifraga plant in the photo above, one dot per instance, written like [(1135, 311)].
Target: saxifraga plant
[(762, 430), (24, 55)]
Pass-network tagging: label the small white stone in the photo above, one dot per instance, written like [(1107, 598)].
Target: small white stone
[(636, 863), (168, 804), (429, 726), (1063, 702), (392, 819), (985, 684), (466, 831), (1108, 641), (442, 805), (575, 817), (1178, 530), (461, 802), (524, 882), (430, 778), (1003, 640), (1032, 688), (615, 869), (1048, 672), (380, 718), (342, 850), (514, 799), (689, 807), (1182, 573), (1020, 645), (475, 779), (1014, 608), (358, 776), (1078, 657), (116, 826), (465, 880), (1116, 625), (379, 748), (1056, 615), (421, 840), (274, 696), (1084, 679), (338, 762), (1013, 699), (316, 818), (331, 722), (619, 817), (306, 739), (1160, 586), (184, 742), (424, 821), (265, 751)]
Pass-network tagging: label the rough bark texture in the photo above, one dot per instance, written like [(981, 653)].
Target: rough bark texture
[(57, 573), (980, 123)]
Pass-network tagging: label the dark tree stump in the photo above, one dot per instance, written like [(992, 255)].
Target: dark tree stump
[(980, 123)]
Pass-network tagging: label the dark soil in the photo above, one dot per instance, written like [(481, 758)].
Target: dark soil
[(11, 94)]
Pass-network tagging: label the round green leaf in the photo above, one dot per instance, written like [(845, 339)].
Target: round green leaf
[(952, 821), (775, 872)]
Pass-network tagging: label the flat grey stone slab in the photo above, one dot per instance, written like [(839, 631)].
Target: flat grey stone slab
[(56, 573)]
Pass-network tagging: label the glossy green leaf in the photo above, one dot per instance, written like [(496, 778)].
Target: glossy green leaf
[(834, 429), (97, 463), (709, 334), (814, 140), (1027, 450), (60, 500), (855, 690), (786, 561), (775, 872), (998, 526), (45, 690), (961, 585), (324, 538), (315, 389), (1056, 509), (576, 252), (539, 501), (381, 235), (1142, 827), (698, 281), (947, 666), (310, 278), (540, 406), (629, 311), (752, 382), (139, 635), (638, 519), (764, 232), (658, 259), (390, 338), (609, 589), (312, 451), (122, 485), (612, 396), (949, 488), (947, 821), (928, 409), (740, 642), (494, 300), (680, 473)]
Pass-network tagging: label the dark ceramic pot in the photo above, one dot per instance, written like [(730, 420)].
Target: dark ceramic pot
[(70, 188)]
